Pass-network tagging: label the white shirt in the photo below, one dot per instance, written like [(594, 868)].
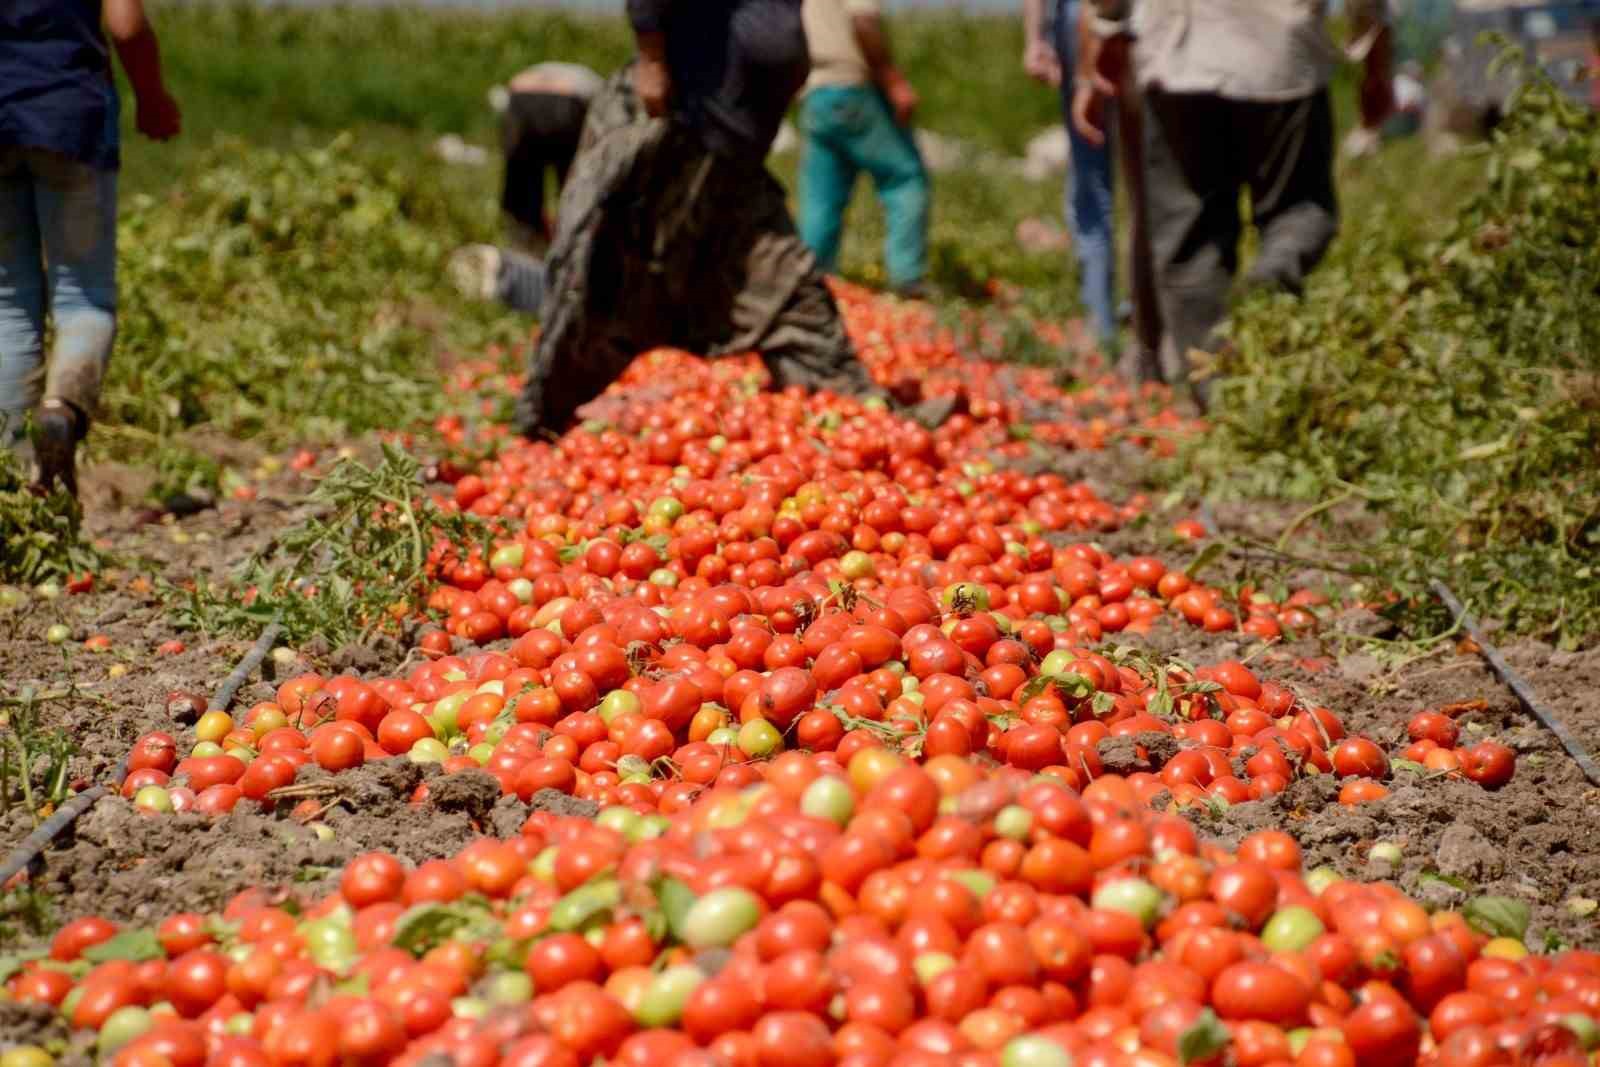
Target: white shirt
[(1265, 50)]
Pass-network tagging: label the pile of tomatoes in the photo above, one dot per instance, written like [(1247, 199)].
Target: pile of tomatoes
[(868, 911), (842, 689), (722, 573)]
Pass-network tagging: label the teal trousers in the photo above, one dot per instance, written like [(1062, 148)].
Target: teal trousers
[(847, 130)]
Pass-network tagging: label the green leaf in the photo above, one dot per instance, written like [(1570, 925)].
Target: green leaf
[(676, 899), (1203, 1039), (585, 903), (1409, 766), (1427, 877), (1499, 916), (1160, 705), (1067, 686), (427, 926), (1204, 558), (13, 962), (134, 945)]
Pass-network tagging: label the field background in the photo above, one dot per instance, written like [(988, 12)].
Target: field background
[(398, 77)]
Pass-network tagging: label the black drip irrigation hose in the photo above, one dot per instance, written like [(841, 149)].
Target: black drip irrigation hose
[(1525, 695), (246, 666), (1502, 670), (65, 815)]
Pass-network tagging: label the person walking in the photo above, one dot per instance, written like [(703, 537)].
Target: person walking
[(671, 231), (1235, 98), (855, 115), (59, 155), (1051, 54)]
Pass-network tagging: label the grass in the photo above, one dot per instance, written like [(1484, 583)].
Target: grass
[(284, 297)]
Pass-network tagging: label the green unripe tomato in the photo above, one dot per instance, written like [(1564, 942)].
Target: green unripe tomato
[(508, 987), (121, 1027), (1291, 929), (153, 798), (716, 919), (623, 820), (829, 797), (1135, 896), (1013, 821), (664, 998), (428, 750), (759, 738), (1028, 1050)]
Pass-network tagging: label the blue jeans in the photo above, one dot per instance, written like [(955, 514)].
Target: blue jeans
[(849, 129), (1090, 204), (58, 254)]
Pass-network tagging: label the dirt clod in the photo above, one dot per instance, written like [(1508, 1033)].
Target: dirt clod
[(559, 803), (1463, 852), (472, 792)]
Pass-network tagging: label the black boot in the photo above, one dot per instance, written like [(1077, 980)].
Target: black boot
[(57, 429)]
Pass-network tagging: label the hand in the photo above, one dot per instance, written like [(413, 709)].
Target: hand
[(1041, 63), (1107, 64), (903, 99), (1089, 113), (157, 116), (653, 84)]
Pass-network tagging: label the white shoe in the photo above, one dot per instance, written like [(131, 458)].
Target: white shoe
[(475, 271)]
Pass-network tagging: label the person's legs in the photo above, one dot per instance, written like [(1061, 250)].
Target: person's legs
[(827, 173), (1191, 192), (78, 221), (22, 296), (887, 151), (1292, 197), (522, 191), (1089, 202)]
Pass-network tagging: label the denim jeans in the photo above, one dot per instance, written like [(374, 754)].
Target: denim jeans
[(58, 255), (1090, 204), (849, 129)]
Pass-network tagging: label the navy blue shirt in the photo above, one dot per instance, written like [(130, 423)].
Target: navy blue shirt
[(56, 88), (736, 65)]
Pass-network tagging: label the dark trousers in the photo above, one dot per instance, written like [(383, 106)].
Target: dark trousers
[(538, 132), (1201, 151)]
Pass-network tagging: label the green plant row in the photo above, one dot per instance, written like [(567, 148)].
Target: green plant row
[(286, 297), (1450, 386)]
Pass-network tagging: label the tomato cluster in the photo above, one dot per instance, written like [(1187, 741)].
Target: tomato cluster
[(713, 578), (864, 911), (839, 684)]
